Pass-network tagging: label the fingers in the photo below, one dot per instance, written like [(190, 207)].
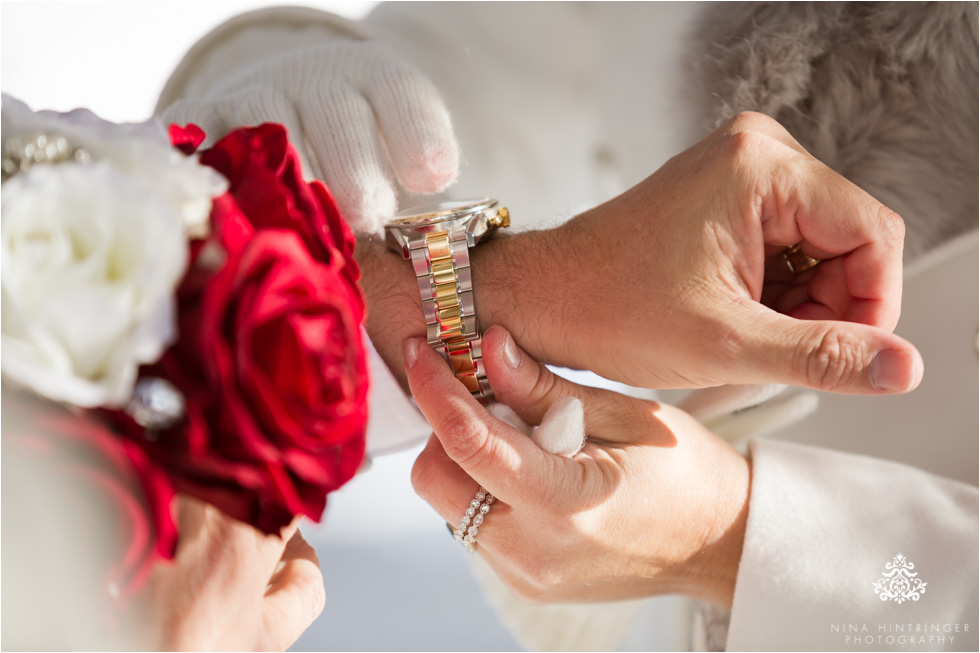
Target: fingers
[(825, 355), (803, 201), (531, 389), (295, 596), (415, 125), (834, 219), (343, 138), (442, 483), (494, 454)]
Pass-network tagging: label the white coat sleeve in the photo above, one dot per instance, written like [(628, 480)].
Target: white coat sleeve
[(847, 552), (394, 422)]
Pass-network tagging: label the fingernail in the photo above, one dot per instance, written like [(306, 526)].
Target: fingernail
[(411, 351), (893, 370), (511, 353)]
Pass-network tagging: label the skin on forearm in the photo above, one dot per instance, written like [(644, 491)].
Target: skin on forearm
[(519, 282)]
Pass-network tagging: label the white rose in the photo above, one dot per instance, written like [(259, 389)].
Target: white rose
[(141, 149), (91, 255)]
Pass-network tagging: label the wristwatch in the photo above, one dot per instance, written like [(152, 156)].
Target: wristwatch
[(437, 239)]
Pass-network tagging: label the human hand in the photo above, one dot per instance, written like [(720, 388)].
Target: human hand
[(339, 99), (230, 587), (679, 282), (653, 504)]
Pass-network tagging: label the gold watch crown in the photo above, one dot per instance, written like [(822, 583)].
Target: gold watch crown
[(502, 219)]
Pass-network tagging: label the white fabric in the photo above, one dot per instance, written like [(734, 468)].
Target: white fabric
[(562, 429), (360, 115), (560, 106), (739, 412), (395, 421), (828, 523), (557, 627)]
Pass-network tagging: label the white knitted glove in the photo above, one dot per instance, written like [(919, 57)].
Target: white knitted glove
[(360, 116)]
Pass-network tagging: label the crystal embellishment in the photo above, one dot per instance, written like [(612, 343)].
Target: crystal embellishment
[(20, 155), (156, 404)]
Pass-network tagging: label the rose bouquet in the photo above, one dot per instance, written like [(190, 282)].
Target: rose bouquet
[(176, 320)]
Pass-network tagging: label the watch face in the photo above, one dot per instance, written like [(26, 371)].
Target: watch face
[(437, 212)]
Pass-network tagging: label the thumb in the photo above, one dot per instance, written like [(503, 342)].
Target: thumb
[(531, 389), (827, 355)]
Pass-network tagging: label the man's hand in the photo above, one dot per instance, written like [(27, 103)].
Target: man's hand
[(667, 280), (679, 282)]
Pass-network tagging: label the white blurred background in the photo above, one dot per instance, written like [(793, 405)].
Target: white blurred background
[(395, 578)]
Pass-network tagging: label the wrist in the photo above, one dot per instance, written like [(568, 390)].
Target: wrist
[(394, 307), (711, 574), (518, 282)]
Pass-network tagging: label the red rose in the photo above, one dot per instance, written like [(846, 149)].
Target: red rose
[(89, 505), (270, 356)]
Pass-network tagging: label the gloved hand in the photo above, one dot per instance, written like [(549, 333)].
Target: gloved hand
[(360, 116)]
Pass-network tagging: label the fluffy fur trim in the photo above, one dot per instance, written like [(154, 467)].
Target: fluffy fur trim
[(883, 93)]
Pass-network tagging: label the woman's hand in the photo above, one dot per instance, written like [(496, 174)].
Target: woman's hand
[(230, 587), (653, 504)]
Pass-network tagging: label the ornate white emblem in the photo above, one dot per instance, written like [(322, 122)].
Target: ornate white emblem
[(899, 582)]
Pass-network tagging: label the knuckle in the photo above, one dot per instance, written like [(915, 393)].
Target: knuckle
[(466, 439), (749, 121), (421, 476), (892, 224), (742, 148), (548, 486), (748, 134), (545, 388), (834, 360)]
